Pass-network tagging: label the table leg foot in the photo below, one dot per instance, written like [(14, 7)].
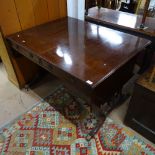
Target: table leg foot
[(94, 131), (105, 110)]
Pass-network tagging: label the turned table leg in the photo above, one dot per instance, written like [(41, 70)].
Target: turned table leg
[(104, 111)]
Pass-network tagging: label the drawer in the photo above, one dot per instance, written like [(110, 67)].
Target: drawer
[(34, 58)]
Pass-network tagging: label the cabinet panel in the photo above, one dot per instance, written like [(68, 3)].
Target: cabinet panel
[(63, 8), (40, 9), (140, 115), (7, 62), (8, 17), (53, 8), (25, 13)]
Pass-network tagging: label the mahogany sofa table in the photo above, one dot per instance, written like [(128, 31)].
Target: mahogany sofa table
[(91, 60)]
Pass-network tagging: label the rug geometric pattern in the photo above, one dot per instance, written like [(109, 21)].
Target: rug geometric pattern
[(45, 131)]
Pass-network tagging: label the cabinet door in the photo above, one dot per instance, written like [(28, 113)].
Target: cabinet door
[(140, 115)]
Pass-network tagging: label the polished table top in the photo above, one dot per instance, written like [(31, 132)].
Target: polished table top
[(121, 20), (86, 51)]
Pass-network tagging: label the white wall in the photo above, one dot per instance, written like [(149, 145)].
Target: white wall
[(76, 8)]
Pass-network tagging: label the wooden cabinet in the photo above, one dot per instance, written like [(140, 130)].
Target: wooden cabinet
[(141, 112)]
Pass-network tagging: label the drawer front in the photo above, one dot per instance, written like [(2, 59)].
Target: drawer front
[(34, 58)]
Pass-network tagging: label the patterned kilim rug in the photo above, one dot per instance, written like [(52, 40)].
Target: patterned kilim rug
[(45, 131)]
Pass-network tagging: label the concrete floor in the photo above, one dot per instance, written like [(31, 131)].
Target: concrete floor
[(14, 102)]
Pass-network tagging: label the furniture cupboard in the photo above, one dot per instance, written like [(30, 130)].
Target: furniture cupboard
[(140, 115)]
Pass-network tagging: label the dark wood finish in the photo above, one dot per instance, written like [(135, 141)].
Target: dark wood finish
[(78, 52), (122, 21), (141, 112), (88, 58), (129, 6), (129, 23), (91, 3), (145, 14)]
